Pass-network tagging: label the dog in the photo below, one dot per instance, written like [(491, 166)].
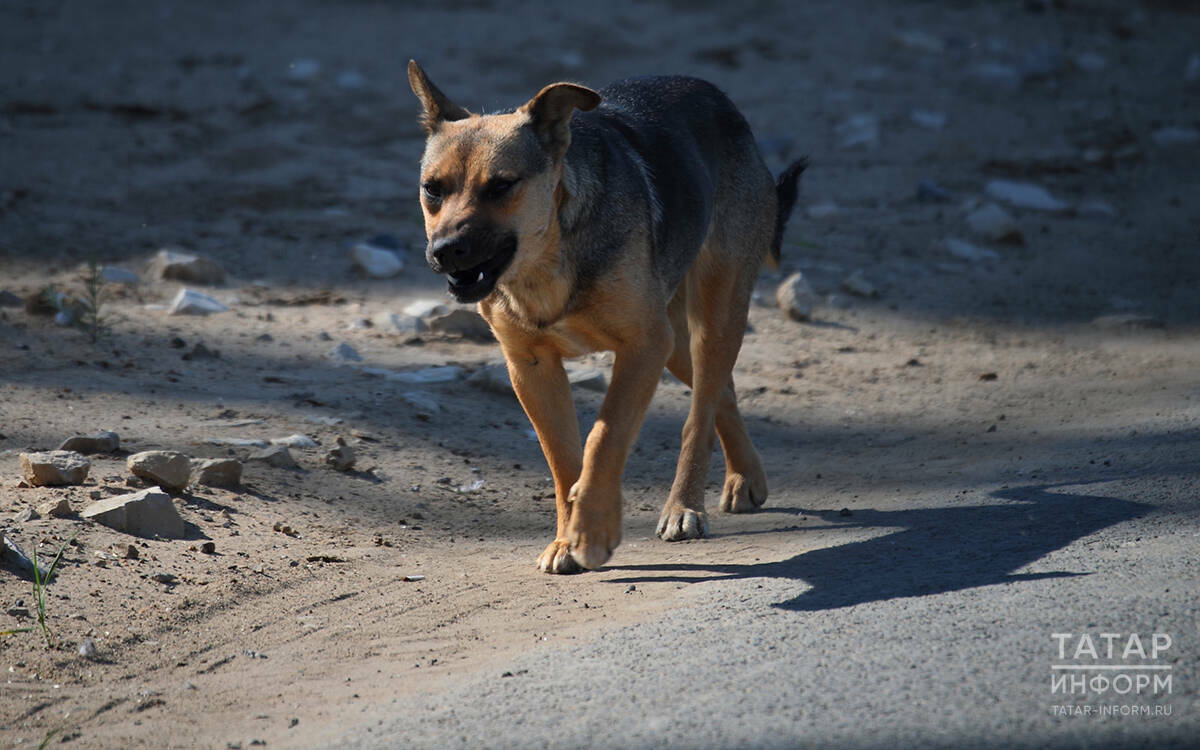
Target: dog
[(633, 219)]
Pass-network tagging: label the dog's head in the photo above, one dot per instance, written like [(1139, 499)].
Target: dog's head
[(488, 183)]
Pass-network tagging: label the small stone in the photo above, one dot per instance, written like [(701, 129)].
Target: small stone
[(27, 515), (295, 441), (54, 468), (60, 508), (927, 119), (126, 551), (845, 512), (276, 455), (99, 442), (463, 322), (857, 283), (164, 577), (994, 223), (209, 548), (405, 325), (374, 261), (424, 308), (177, 265), (861, 130), (440, 374), (588, 378), (116, 275), (200, 352), (169, 469), (1024, 195), (341, 456), (1174, 136), (964, 250), (343, 352), (87, 648), (796, 297), (217, 472), (422, 402), (147, 513), (191, 302), (494, 378), (823, 210)]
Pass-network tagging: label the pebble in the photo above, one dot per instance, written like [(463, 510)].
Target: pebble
[(374, 261), (163, 576), (276, 455), (857, 283), (493, 378), (100, 442), (1175, 136), (1024, 195), (928, 119), (405, 325), (822, 210), (859, 130), (588, 378), (343, 352), (60, 508), (27, 515), (118, 275), (422, 402), (217, 472), (464, 322), (54, 468), (147, 513), (964, 250), (191, 302), (796, 297), (424, 308), (169, 469), (177, 265), (341, 456), (87, 648), (994, 223), (296, 440)]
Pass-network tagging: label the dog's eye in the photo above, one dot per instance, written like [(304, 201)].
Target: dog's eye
[(499, 187), (432, 190)]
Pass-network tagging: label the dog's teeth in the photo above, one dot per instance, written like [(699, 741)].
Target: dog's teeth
[(480, 277)]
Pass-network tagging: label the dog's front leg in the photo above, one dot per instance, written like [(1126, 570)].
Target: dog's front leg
[(594, 525)]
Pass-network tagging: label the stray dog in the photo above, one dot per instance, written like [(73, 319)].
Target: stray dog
[(636, 225)]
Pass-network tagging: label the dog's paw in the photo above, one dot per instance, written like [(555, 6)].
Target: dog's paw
[(557, 559), (743, 494), (677, 524), (594, 530)]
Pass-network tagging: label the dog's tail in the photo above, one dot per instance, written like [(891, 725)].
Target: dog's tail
[(787, 188)]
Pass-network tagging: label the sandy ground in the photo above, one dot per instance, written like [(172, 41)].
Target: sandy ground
[(975, 421)]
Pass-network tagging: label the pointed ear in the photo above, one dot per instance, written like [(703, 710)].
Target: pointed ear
[(550, 112), (435, 107)]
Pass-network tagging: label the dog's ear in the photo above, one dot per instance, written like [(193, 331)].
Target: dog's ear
[(435, 107), (550, 112)]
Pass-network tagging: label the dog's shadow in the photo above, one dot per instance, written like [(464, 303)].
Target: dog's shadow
[(934, 550)]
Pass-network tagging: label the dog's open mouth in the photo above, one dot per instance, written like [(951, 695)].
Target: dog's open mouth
[(473, 284)]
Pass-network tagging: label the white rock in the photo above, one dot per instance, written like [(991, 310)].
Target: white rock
[(441, 374), (116, 275), (54, 468), (303, 69), (822, 210), (376, 262), (406, 325), (217, 472), (928, 119), (169, 469), (1174, 136), (147, 513), (237, 442), (343, 352), (191, 302), (857, 283), (421, 401), (859, 130), (994, 223), (588, 378), (174, 264), (1090, 62), (424, 308), (1024, 195), (796, 298), (966, 251), (295, 441)]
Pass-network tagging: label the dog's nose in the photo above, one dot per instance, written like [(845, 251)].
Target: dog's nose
[(447, 253)]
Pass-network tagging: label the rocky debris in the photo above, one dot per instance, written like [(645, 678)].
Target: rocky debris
[(8, 299), (425, 308), (928, 119), (60, 508), (169, 469), (117, 275), (861, 130), (276, 455), (994, 223), (285, 529), (405, 325), (1024, 195), (463, 322), (341, 456), (87, 648), (376, 261), (588, 378), (176, 265), (27, 515), (126, 551), (424, 376), (100, 442), (217, 472), (343, 352), (1128, 322), (964, 250), (1174, 136), (796, 297), (148, 513), (858, 284), (162, 576), (422, 402), (493, 378), (823, 210), (11, 551), (54, 468), (295, 441), (237, 442), (191, 302), (931, 192)]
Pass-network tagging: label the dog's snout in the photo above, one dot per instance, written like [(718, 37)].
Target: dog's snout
[(447, 253)]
